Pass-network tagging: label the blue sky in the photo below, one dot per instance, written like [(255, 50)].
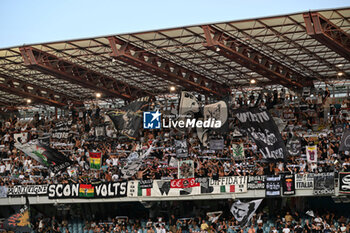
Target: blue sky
[(35, 21)]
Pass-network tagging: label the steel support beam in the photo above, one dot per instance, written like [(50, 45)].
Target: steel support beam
[(11, 88), (233, 49), (327, 33), (50, 64), (165, 69), (36, 90)]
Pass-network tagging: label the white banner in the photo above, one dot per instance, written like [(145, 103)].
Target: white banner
[(22, 136), (304, 181), (30, 190), (191, 186)]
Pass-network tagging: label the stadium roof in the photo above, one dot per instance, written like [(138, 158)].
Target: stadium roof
[(296, 50)]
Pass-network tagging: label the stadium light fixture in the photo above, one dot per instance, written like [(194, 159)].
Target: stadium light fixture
[(172, 88), (340, 73), (98, 95), (252, 81), (29, 101)]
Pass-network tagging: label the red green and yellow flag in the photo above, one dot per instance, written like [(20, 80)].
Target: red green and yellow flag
[(86, 190), (95, 160)]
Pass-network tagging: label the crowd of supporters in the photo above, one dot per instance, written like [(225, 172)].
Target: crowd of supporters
[(261, 222), (316, 119)]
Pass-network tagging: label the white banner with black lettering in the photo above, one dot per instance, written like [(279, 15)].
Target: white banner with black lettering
[(190, 186), (27, 190), (304, 181)]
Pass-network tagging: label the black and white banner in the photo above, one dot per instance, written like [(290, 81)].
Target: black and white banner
[(293, 146), (256, 182), (146, 184), (345, 141), (218, 112), (181, 148), (189, 104), (338, 129), (288, 186), (243, 212), (259, 125), (61, 130), (344, 182), (216, 144), (128, 119), (324, 183), (273, 186), (304, 181), (27, 190), (103, 190)]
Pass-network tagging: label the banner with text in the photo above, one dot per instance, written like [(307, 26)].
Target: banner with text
[(256, 182), (324, 183), (27, 190), (304, 181), (273, 186), (259, 125), (102, 190), (288, 186)]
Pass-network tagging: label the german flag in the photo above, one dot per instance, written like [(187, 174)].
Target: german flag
[(86, 190)]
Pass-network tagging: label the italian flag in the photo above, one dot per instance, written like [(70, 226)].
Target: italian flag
[(86, 190), (227, 189), (95, 160), (143, 192)]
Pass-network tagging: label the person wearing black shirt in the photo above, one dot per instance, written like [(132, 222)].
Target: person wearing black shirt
[(307, 227), (259, 230)]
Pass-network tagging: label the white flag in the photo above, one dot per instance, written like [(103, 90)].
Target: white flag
[(243, 212), (311, 154), (310, 213), (188, 103)]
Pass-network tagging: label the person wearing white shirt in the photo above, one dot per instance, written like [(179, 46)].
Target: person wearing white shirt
[(115, 177), (115, 161), (343, 228), (318, 221), (286, 229), (2, 168)]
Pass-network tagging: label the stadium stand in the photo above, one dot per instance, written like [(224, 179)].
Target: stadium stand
[(145, 154)]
